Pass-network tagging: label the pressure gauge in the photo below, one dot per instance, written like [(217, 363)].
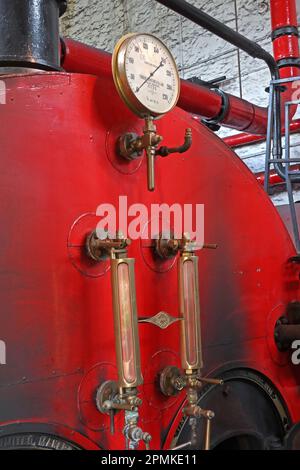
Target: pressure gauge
[(145, 75)]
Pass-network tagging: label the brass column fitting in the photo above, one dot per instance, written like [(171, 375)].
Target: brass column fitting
[(131, 146), (121, 395), (172, 379)]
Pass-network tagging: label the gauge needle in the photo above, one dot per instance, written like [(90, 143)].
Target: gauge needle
[(150, 76)]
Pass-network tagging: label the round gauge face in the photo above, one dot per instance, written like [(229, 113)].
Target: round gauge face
[(145, 75)]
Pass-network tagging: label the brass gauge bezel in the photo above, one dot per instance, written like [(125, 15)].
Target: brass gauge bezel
[(121, 81)]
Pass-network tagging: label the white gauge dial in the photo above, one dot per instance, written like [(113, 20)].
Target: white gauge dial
[(146, 75)]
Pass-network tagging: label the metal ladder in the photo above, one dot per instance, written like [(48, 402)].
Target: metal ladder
[(280, 160)]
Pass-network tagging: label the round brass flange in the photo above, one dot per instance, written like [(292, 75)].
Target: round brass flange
[(106, 392), (166, 248), (167, 380), (93, 249), (128, 146)]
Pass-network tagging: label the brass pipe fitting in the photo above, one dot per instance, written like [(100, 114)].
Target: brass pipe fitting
[(131, 146), (99, 249), (197, 412)]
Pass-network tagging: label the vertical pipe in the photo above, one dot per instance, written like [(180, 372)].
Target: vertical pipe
[(285, 39), (29, 31), (286, 53), (269, 138)]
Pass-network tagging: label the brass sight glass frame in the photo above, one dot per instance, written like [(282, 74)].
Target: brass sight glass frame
[(185, 340), (123, 302), (122, 395), (172, 380), (125, 319)]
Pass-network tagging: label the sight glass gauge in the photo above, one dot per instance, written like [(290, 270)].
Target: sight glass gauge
[(145, 75)]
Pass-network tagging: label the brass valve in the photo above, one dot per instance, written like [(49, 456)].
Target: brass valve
[(194, 411), (110, 400), (168, 247), (172, 381), (99, 249), (134, 434), (131, 146)]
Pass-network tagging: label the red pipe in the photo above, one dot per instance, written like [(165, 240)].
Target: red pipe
[(80, 58), (196, 99), (285, 43), (283, 13), (274, 178), (285, 46), (239, 140)]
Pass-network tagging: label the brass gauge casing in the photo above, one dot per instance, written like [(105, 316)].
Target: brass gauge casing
[(145, 75)]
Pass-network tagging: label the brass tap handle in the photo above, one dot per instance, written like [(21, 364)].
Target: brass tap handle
[(210, 381), (112, 421), (109, 405), (207, 438), (210, 246), (195, 411)]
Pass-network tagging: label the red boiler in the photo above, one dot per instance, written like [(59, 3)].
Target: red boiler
[(59, 162)]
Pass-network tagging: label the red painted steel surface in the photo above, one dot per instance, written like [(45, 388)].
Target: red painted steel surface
[(58, 163)]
